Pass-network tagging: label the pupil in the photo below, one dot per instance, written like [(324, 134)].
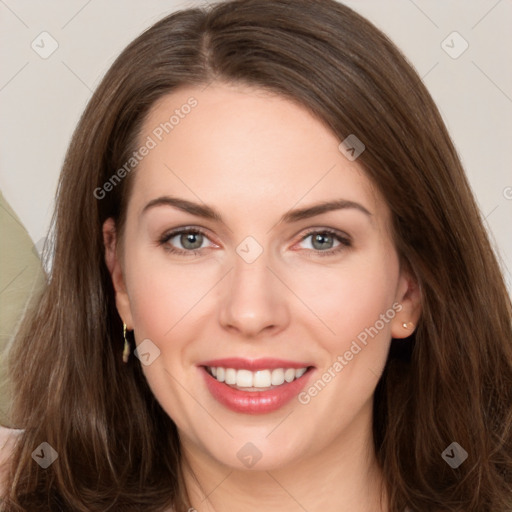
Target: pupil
[(320, 238), (189, 237)]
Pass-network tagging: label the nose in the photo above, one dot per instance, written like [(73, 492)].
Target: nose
[(254, 300)]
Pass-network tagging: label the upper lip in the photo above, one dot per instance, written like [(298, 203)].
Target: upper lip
[(263, 363)]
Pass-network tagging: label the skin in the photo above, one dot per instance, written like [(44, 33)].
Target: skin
[(254, 156)]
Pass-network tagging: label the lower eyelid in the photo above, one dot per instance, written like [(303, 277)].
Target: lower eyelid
[(344, 241), (166, 238)]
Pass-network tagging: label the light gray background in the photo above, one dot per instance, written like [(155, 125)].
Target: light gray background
[(41, 99)]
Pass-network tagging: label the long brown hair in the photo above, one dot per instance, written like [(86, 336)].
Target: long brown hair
[(451, 381)]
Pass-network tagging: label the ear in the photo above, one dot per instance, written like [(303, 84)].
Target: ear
[(408, 296), (116, 272)]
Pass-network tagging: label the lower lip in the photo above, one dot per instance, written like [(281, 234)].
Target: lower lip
[(255, 402)]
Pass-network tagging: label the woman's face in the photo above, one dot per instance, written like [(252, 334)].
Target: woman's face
[(268, 283)]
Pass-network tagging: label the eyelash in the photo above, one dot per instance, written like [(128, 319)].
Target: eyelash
[(345, 242)]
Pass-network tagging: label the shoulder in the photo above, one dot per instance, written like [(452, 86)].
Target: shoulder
[(8, 437)]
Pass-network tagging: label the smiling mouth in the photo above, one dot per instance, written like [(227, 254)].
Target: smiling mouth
[(254, 381)]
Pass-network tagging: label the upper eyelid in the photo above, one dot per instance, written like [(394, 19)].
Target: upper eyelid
[(332, 231), (305, 233), (186, 229)]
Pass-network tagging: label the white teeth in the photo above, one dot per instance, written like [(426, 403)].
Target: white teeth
[(277, 377), (244, 378), (262, 379), (258, 379), (230, 376), (300, 372), (289, 375)]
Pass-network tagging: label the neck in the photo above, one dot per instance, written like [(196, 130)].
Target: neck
[(344, 476)]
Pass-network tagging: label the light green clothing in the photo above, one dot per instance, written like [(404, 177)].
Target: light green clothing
[(21, 275)]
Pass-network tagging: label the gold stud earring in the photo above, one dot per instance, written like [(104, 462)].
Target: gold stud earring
[(126, 349), (407, 325)]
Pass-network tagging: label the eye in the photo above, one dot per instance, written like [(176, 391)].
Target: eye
[(323, 239), (191, 239)]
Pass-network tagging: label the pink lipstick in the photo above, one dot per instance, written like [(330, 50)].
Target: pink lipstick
[(236, 382)]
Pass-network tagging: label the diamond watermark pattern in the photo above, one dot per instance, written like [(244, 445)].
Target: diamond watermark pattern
[(147, 352), (249, 249), (44, 455), (249, 455), (44, 45), (454, 455), (454, 45), (351, 147)]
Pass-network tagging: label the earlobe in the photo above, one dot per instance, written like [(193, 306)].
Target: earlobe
[(116, 272), (409, 298)]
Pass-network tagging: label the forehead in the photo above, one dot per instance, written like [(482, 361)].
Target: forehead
[(244, 148)]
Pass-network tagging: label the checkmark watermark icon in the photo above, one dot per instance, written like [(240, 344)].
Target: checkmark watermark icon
[(44, 45), (249, 455), (454, 455), (351, 147), (45, 455), (249, 249), (454, 45), (147, 352)]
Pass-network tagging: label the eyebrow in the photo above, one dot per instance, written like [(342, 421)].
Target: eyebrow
[(207, 212)]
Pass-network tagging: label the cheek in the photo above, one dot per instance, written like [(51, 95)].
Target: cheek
[(357, 304), (163, 300), (161, 293), (352, 297)]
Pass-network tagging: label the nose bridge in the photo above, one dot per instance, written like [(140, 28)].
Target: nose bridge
[(252, 300)]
